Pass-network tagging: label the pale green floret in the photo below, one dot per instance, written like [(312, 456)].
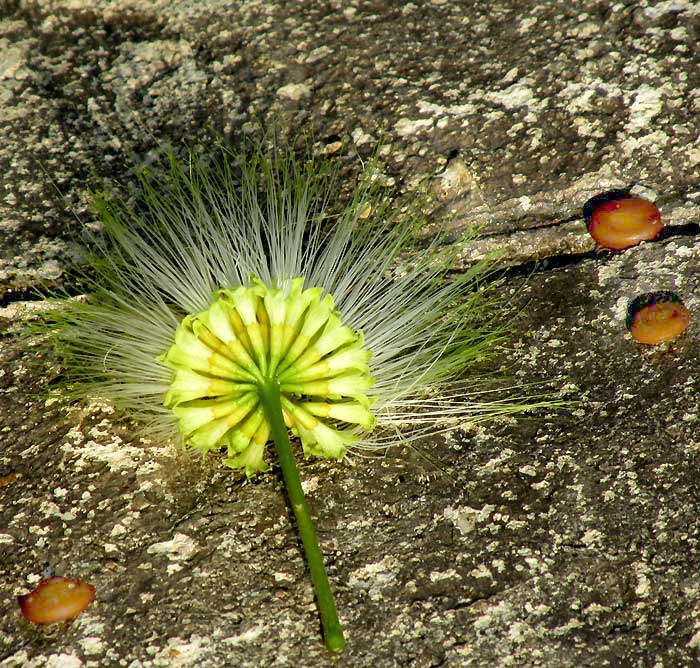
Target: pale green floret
[(334, 336), (211, 434), (188, 385), (245, 301), (298, 302), (234, 350), (218, 322), (255, 423), (252, 334), (275, 305), (251, 459), (315, 319), (348, 384), (354, 357), (317, 438)]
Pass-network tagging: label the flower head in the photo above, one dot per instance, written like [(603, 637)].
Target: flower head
[(237, 300), (233, 269), (251, 334)]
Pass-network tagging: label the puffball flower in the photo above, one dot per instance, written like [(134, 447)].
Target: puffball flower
[(226, 264), (235, 298)]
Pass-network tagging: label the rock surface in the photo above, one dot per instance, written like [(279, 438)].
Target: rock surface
[(560, 540)]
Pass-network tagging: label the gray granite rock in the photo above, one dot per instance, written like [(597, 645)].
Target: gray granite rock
[(559, 540)]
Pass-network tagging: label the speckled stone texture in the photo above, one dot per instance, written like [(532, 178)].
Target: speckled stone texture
[(561, 540)]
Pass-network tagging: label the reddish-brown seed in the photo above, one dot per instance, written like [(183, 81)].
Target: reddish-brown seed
[(56, 599), (657, 317), (624, 221)]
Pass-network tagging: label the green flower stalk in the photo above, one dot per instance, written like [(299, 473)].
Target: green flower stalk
[(234, 302)]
